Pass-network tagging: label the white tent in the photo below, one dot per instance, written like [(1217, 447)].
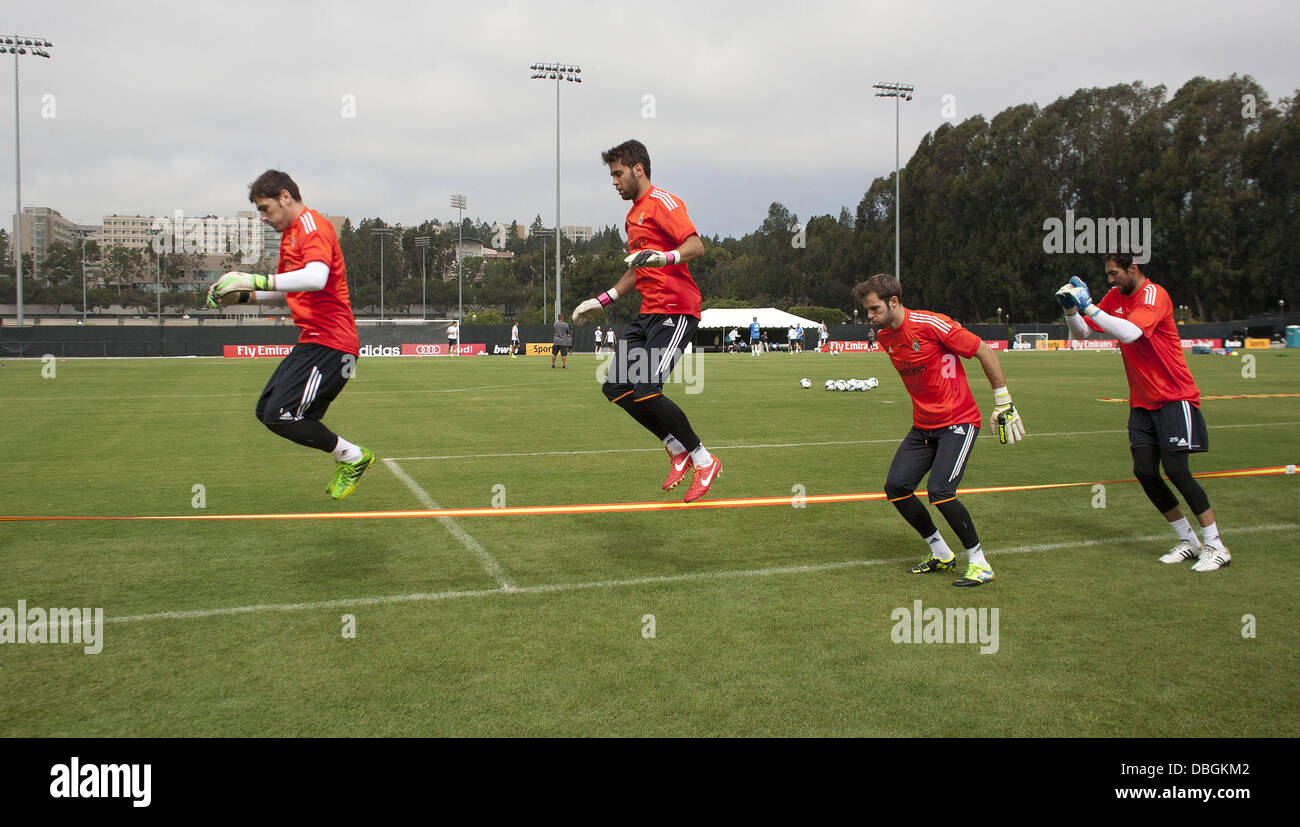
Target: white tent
[(740, 318)]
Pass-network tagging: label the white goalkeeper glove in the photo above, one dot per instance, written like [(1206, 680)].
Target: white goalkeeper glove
[(652, 258), (591, 307), (1005, 417), (238, 283)]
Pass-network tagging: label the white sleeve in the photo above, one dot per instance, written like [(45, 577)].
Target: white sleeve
[(310, 278), (1121, 329), (1078, 326)]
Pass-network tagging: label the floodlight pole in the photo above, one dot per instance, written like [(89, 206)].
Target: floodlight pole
[(83, 279), (18, 45), (896, 91), (460, 202), (556, 72)]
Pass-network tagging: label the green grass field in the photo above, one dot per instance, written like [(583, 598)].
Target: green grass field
[(767, 621)]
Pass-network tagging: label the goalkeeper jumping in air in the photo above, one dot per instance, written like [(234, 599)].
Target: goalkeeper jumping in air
[(312, 279), (923, 348), (1165, 422), (661, 239)]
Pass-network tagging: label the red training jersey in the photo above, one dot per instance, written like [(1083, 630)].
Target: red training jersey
[(658, 221), (1157, 370), (323, 316), (925, 350)]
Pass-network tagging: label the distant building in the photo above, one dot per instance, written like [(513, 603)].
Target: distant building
[(40, 227), (577, 234)]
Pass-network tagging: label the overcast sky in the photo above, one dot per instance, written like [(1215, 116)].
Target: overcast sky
[(163, 106)]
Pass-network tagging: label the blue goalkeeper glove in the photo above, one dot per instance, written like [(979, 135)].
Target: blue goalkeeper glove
[(1076, 295)]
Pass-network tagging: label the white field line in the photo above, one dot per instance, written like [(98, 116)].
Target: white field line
[(489, 563), (987, 435), (644, 581)]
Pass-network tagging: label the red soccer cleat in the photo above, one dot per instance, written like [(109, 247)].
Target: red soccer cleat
[(678, 463), (702, 479)]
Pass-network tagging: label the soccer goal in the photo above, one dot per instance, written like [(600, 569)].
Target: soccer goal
[(1030, 341)]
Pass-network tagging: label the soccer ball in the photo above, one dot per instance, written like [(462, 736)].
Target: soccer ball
[(859, 385), (835, 353), (872, 383), (830, 384), (841, 385), (805, 383)]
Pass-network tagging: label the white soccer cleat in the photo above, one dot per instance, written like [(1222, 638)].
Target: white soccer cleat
[(1212, 559), (1180, 553)]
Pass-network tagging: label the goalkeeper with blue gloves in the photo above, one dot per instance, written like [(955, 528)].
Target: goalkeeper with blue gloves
[(1165, 424)]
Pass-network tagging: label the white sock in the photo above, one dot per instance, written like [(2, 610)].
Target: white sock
[(701, 457), (345, 451), (939, 548), (976, 556), (671, 443), (1183, 529), (1211, 535)]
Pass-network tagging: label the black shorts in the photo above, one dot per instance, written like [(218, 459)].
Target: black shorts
[(305, 384), (943, 453), (1177, 426), (647, 354), (560, 350)]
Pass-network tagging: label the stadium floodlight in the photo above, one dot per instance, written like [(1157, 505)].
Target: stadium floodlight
[(383, 233), (461, 203), (897, 91), (572, 74), (17, 45), (423, 243)]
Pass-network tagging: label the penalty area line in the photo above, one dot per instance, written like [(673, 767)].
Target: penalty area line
[(433, 510), (691, 577)]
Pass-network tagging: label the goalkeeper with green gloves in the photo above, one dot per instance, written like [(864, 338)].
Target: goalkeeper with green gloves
[(924, 348), (312, 280)]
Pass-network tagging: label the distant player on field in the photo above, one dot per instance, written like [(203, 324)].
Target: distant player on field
[(514, 341), (312, 279), (755, 333), (661, 239), (1165, 422), (923, 348)]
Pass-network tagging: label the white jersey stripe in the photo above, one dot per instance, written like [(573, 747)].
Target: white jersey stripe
[(308, 223), (664, 198), (932, 321)]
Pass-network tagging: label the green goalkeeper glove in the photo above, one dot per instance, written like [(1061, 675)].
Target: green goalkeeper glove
[(1005, 417), (237, 288)]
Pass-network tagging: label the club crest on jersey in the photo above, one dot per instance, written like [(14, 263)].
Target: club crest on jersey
[(916, 345), (640, 219)]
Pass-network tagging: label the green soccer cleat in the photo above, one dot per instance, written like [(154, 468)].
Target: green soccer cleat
[(933, 563), (348, 474), (975, 576)]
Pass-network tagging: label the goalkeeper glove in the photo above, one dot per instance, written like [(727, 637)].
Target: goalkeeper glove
[(1005, 417), (238, 283), (1076, 295), (652, 258), (591, 307)]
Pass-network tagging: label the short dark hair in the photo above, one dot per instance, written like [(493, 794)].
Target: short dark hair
[(1123, 260), (629, 154), (269, 185), (882, 284)]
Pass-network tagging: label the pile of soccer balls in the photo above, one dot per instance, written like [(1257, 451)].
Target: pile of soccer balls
[(847, 384)]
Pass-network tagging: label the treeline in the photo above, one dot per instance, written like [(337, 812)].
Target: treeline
[(995, 215)]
